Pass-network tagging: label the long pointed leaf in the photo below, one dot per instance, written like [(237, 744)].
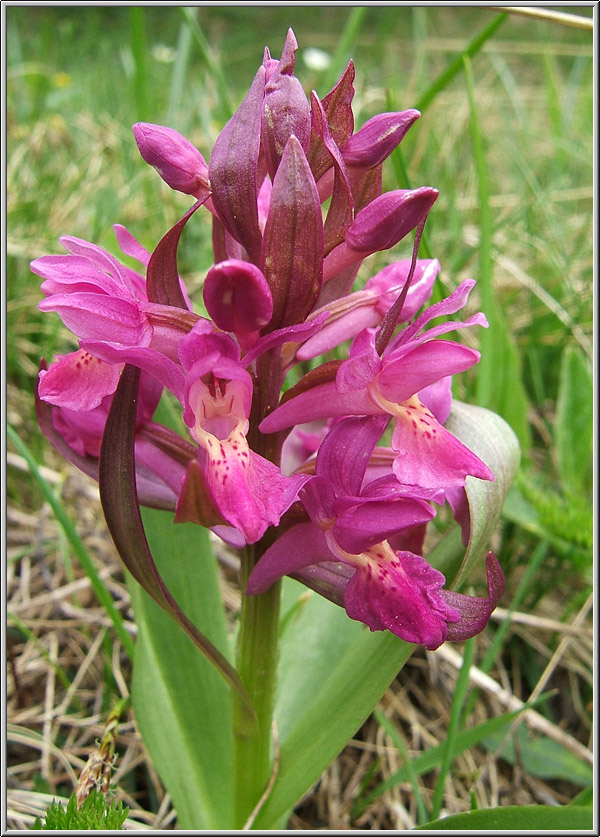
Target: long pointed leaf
[(118, 495), (182, 705), (163, 283), (518, 818)]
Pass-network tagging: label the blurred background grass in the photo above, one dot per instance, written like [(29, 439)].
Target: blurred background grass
[(508, 141)]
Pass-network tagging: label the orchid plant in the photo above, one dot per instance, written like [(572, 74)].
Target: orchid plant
[(319, 440)]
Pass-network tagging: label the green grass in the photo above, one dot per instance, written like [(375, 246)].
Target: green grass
[(505, 135)]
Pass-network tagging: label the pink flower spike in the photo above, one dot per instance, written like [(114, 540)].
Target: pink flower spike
[(178, 162), (238, 298)]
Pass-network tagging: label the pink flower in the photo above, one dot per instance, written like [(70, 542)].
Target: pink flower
[(352, 524), (427, 455)]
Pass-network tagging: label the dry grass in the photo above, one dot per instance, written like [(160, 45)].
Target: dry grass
[(59, 666)]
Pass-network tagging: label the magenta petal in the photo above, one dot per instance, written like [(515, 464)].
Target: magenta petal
[(74, 274), (402, 595), (297, 548), (322, 401), (78, 381), (437, 397), (403, 377), (250, 492), (344, 454), (443, 308), (475, 611), (387, 219), (156, 364), (130, 245), (289, 334), (388, 283), (362, 366), (368, 523), (100, 317), (99, 257), (428, 455)]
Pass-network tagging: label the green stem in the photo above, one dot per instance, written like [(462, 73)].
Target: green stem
[(257, 657), (258, 638)]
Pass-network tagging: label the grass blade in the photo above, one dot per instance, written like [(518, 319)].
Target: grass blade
[(499, 380), (383, 721), (214, 68), (182, 60), (346, 44), (139, 48), (457, 63), (102, 593), (430, 759), (449, 747)]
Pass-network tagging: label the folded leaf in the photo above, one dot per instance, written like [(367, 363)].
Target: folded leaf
[(491, 438), (118, 495)]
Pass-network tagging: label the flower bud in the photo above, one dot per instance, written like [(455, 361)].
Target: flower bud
[(178, 162), (387, 219), (238, 298), (377, 138), (285, 109)]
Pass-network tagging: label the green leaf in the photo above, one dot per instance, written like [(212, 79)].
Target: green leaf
[(214, 67), (491, 438), (181, 703), (518, 818), (332, 672), (584, 797), (118, 494), (574, 422), (542, 757)]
